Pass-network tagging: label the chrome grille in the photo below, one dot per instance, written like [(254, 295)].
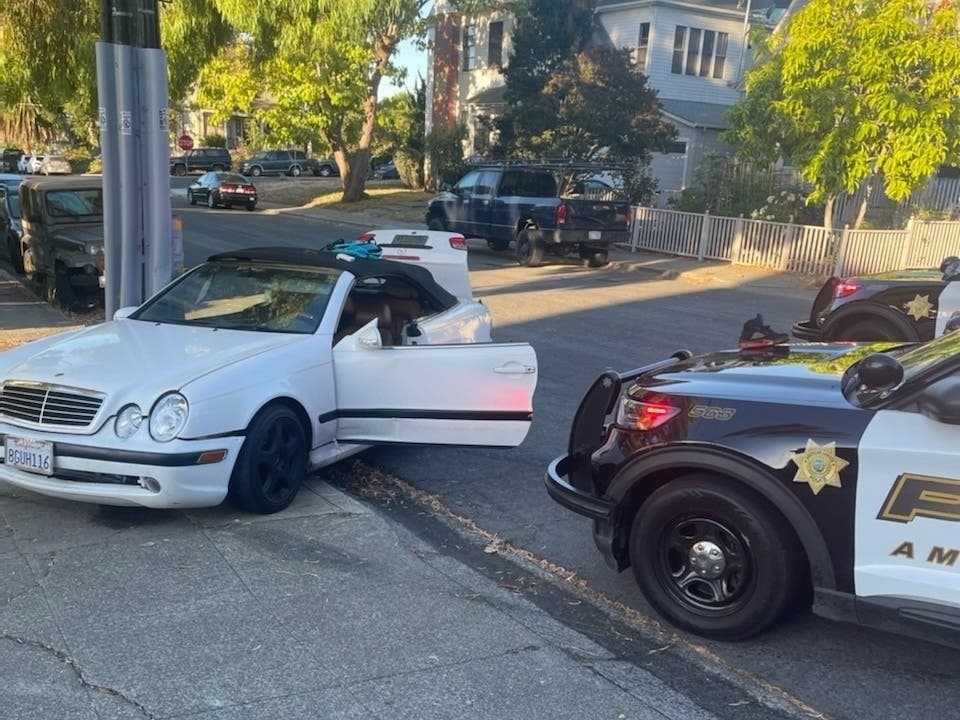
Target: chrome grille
[(45, 404)]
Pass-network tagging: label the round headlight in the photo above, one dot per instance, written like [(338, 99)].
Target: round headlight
[(168, 416), (128, 421)]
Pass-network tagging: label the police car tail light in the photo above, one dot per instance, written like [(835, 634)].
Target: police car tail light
[(846, 288), (458, 242), (647, 415)]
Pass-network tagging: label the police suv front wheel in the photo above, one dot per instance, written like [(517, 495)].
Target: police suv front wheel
[(713, 558)]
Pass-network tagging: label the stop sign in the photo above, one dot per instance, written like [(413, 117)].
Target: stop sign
[(185, 142)]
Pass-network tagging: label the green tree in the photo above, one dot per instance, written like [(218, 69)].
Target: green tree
[(48, 84), (853, 90), (401, 125), (322, 62)]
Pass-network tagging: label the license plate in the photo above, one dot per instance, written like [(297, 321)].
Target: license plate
[(594, 235), (34, 456)]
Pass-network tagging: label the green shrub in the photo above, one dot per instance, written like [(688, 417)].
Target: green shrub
[(445, 150), (410, 166), (218, 141)]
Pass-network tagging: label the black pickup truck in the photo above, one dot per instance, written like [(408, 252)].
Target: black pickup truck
[(555, 208)]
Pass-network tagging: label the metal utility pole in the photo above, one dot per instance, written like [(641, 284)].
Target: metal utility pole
[(134, 141)]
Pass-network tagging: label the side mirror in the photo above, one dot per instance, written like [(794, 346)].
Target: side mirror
[(940, 401), (880, 372)]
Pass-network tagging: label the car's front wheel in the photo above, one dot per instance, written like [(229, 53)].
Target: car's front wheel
[(713, 558), (256, 171), (272, 463), (191, 198), (436, 223)]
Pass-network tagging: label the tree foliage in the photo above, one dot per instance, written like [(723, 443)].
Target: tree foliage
[(321, 63), (48, 83), (856, 89)]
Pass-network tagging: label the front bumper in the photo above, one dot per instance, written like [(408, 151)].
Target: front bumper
[(562, 491), (91, 469), (803, 330)]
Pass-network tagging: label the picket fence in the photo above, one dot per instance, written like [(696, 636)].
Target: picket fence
[(806, 249)]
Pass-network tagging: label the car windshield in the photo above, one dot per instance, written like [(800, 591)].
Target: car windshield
[(245, 296), (75, 203), (917, 359)]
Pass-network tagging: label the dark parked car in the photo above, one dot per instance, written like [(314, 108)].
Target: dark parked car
[(387, 171), (222, 188), (325, 167), (10, 218), (896, 305), (9, 160), (278, 162), (200, 160), (735, 483), (63, 235), (541, 207)]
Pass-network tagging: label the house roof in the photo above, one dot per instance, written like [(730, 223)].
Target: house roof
[(696, 114), (760, 10), (491, 96)]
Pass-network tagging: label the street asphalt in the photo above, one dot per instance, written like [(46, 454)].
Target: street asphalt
[(335, 608)]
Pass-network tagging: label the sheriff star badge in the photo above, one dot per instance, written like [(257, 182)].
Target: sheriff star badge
[(819, 466)]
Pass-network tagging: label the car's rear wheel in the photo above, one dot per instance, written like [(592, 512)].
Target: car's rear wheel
[(211, 203), (251, 207), (15, 253), (866, 330), (530, 248), (295, 171), (325, 171), (713, 558), (498, 245), (594, 257), (272, 463), (436, 223), (256, 171)]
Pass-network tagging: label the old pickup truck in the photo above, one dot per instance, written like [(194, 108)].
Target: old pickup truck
[(541, 207)]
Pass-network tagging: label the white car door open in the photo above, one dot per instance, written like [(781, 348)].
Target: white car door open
[(469, 394)]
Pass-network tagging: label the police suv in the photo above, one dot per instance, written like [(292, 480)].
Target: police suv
[(734, 482)]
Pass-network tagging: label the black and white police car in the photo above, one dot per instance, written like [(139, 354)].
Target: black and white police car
[(907, 305), (735, 482)]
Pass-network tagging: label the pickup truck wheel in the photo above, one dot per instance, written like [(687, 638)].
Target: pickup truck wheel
[(436, 223), (498, 245), (15, 253), (529, 249)]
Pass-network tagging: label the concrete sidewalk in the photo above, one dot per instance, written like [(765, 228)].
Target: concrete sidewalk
[(334, 608)]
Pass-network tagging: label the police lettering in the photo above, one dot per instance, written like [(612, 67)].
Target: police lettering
[(946, 557), (915, 496)]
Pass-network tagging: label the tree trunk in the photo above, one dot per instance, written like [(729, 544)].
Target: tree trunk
[(828, 212), (864, 203)]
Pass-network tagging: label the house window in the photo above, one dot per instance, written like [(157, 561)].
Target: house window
[(699, 52), (495, 45), (720, 56), (679, 40), (643, 45), (470, 47)]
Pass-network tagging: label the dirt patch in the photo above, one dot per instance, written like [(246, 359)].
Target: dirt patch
[(383, 198)]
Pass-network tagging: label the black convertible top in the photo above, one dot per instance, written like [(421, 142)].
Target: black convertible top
[(360, 267)]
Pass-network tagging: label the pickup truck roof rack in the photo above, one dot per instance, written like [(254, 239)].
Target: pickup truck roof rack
[(556, 164)]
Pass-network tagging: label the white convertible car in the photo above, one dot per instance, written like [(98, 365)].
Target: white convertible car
[(250, 370)]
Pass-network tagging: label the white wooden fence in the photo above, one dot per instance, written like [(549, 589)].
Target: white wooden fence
[(787, 247)]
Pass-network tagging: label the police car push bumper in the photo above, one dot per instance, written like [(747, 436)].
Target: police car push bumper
[(186, 474), (564, 493)]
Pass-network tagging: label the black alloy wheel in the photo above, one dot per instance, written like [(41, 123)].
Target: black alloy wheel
[(714, 558), (272, 463), (530, 249)]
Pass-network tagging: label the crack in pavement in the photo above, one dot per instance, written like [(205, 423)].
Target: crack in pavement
[(72, 664)]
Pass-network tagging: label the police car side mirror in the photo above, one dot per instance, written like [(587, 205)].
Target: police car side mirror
[(940, 401), (879, 372)]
